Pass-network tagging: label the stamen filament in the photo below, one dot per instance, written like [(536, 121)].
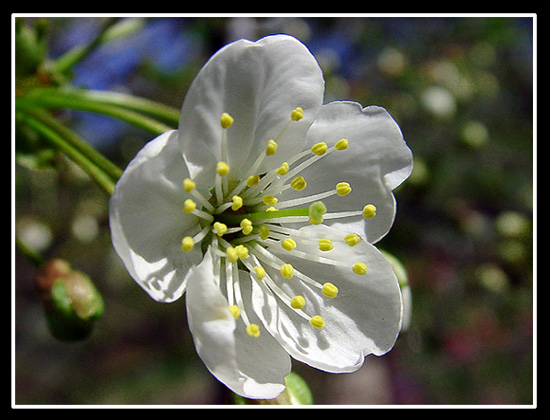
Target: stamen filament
[(246, 239), (267, 257), (252, 171), (202, 200), (229, 284), (200, 236), (275, 262), (306, 163), (238, 294), (223, 207), (203, 215), (304, 200), (224, 145), (281, 232), (268, 283), (219, 190), (261, 186), (342, 214)]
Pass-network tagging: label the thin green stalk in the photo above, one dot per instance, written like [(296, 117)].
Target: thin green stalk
[(73, 56), (73, 139), (85, 104), (103, 179), (127, 101), (123, 100)]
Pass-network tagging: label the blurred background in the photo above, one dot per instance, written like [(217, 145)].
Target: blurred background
[(461, 90)]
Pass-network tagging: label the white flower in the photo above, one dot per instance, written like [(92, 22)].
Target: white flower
[(263, 208)]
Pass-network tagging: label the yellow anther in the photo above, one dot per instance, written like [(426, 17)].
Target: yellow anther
[(235, 311), (283, 169), (297, 114), (188, 185), (226, 120), (369, 211), (271, 148), (298, 183), (189, 206), (260, 272), (352, 239), (264, 232), (247, 226), (317, 322), (288, 244), (253, 180), (298, 302), (269, 200), (319, 148), (253, 330), (325, 245), (242, 251), (360, 268), (220, 228), (341, 144), (271, 209), (232, 254), (222, 168), (237, 203), (343, 188), (330, 290), (187, 244), (287, 271)]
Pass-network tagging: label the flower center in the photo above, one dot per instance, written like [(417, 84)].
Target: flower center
[(244, 220)]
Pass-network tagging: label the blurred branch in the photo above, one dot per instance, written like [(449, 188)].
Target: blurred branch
[(112, 28), (101, 170), (55, 99)]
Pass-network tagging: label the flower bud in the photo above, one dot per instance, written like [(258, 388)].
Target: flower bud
[(71, 301), (403, 279)]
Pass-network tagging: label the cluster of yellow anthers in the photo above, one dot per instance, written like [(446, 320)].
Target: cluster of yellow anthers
[(243, 222)]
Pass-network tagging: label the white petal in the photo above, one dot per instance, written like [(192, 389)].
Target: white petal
[(364, 318), (258, 84), (147, 221), (251, 367), (376, 161)]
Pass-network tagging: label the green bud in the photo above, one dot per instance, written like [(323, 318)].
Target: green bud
[(398, 269), (71, 301), (30, 47), (403, 280)]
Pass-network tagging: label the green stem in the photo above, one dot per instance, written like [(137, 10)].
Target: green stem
[(64, 139), (123, 100), (73, 139), (84, 104), (73, 56)]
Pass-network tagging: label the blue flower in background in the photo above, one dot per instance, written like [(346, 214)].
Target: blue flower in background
[(163, 42)]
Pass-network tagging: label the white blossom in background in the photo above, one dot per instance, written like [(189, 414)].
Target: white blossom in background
[(262, 208)]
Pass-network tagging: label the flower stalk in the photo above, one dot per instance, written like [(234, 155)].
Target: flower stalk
[(55, 98), (100, 169)]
